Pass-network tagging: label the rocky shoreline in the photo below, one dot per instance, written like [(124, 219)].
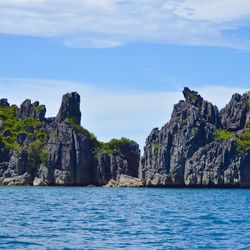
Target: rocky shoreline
[(199, 147)]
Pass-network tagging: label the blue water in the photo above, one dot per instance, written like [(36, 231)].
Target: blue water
[(102, 218)]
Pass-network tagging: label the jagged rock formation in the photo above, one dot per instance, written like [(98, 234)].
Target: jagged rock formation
[(200, 146), (4, 103), (235, 115), (124, 159), (70, 108), (27, 109), (35, 150)]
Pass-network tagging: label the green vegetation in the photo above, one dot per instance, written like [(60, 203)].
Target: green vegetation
[(118, 143), (37, 155), (41, 136), (12, 127), (53, 133), (223, 135), (243, 141), (195, 130), (114, 144), (192, 96), (104, 147), (156, 150), (81, 130), (8, 113), (108, 147), (39, 108), (75, 126), (13, 131), (247, 102)]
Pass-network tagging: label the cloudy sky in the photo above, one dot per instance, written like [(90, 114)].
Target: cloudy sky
[(128, 59)]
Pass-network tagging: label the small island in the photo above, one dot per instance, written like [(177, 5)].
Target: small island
[(199, 147)]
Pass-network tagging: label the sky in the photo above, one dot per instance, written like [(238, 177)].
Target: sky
[(129, 60)]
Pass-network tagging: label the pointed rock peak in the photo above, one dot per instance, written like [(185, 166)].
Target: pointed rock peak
[(70, 108), (236, 97), (4, 103), (25, 109), (35, 110), (192, 96)]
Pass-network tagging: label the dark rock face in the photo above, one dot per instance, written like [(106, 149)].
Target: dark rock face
[(70, 108), (214, 164), (27, 109), (58, 151), (125, 160), (69, 159), (185, 153), (4, 103), (236, 112)]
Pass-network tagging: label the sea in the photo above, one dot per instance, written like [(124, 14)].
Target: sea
[(124, 218)]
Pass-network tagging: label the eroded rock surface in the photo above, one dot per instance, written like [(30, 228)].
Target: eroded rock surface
[(198, 147), (125, 181), (57, 151), (185, 152)]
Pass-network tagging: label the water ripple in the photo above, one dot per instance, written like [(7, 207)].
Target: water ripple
[(101, 218)]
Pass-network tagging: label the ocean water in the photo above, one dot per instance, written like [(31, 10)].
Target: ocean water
[(103, 218)]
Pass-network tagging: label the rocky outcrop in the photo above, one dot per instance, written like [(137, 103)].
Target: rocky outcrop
[(185, 152), (31, 110), (236, 113), (124, 159), (191, 126), (57, 151), (4, 103), (70, 108), (214, 164), (69, 157), (125, 181), (198, 147), (20, 180), (39, 182)]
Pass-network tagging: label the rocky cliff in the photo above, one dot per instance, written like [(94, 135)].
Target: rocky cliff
[(35, 150), (200, 146)]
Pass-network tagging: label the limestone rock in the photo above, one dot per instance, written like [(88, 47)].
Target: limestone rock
[(213, 165), (191, 126), (112, 183), (236, 112), (69, 157), (185, 152), (39, 182), (58, 151), (4, 103), (35, 110), (125, 181), (129, 181), (70, 108), (124, 160), (21, 180)]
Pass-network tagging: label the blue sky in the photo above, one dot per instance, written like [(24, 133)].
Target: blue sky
[(129, 60)]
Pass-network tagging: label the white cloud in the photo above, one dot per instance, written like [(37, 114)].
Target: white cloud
[(210, 10), (109, 23), (107, 112)]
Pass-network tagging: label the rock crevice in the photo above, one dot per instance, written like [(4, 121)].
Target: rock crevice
[(187, 150), (58, 151)]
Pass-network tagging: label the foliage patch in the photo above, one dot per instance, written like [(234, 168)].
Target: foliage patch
[(243, 140)]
